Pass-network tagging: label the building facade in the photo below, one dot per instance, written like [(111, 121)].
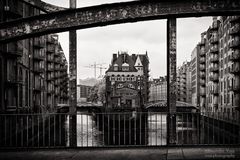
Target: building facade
[(219, 66), (83, 92), (184, 86), (195, 79), (127, 81), (158, 90), (33, 71)]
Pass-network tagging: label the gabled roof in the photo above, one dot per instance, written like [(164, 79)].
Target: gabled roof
[(138, 62)]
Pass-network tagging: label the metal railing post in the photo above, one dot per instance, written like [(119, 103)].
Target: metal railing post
[(73, 82), (171, 81)]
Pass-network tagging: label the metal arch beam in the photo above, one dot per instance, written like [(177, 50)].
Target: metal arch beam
[(45, 7), (115, 13)]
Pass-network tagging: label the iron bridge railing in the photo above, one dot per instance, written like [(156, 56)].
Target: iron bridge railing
[(117, 129)]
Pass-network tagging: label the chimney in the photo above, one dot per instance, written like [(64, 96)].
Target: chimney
[(114, 58), (133, 57)]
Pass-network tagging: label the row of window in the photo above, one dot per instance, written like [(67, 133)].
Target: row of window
[(123, 79)]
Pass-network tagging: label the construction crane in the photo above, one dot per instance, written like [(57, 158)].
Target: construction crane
[(95, 66)]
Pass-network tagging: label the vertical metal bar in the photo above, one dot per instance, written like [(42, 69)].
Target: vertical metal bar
[(171, 80), (73, 81), (43, 127), (10, 129), (213, 141), (60, 129), (98, 129), (22, 127), (103, 121), (156, 127), (92, 130), (140, 128), (82, 129), (187, 128), (33, 135), (198, 128), (208, 135), (49, 131), (161, 130), (124, 128), (146, 129), (114, 134), (16, 131), (151, 128), (119, 133), (108, 130), (182, 128), (135, 130), (87, 130), (27, 131), (54, 129), (38, 129), (129, 129), (5, 130)]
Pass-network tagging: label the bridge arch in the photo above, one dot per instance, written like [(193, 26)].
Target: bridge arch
[(116, 13)]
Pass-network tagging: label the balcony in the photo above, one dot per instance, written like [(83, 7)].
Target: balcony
[(38, 88), (213, 68), (50, 77), (214, 91), (202, 92), (214, 26), (213, 77), (202, 53), (214, 58), (234, 18), (13, 49), (214, 39), (51, 48), (234, 88), (50, 39), (202, 82), (38, 43), (235, 43), (235, 56), (202, 42), (202, 74), (214, 49), (57, 60), (235, 30), (38, 69), (50, 68), (202, 67), (50, 89), (202, 60), (235, 69), (38, 55), (50, 58)]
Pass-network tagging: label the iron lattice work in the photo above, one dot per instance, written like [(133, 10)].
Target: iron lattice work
[(115, 13)]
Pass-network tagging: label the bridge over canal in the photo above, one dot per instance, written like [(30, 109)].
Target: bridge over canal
[(57, 19)]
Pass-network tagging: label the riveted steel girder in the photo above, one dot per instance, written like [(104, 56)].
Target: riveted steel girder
[(114, 14), (45, 7), (171, 80)]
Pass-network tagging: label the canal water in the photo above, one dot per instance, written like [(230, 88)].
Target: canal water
[(115, 129), (190, 129), (90, 133)]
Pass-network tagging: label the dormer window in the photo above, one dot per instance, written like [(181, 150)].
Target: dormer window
[(125, 67), (115, 67)]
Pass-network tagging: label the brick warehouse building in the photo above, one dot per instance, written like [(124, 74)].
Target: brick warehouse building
[(33, 71), (219, 66), (127, 83)]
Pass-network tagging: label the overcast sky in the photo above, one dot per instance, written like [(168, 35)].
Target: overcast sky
[(98, 44)]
